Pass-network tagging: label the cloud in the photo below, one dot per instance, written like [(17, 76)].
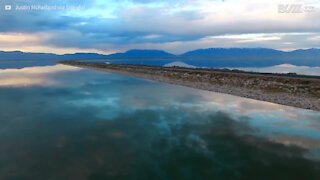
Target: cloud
[(120, 25)]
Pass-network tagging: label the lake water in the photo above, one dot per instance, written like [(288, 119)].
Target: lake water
[(65, 123)]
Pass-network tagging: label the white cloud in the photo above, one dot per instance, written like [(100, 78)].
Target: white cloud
[(108, 26)]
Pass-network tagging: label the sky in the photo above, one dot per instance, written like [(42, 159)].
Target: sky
[(109, 26)]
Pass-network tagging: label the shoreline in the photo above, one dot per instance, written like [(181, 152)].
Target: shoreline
[(296, 91)]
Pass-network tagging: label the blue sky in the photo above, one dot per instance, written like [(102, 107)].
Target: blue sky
[(176, 26)]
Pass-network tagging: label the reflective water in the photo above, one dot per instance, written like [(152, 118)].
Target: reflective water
[(65, 123)]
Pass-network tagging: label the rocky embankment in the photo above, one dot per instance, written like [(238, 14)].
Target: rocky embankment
[(289, 89)]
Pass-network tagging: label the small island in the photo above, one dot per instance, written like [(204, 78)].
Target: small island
[(287, 89)]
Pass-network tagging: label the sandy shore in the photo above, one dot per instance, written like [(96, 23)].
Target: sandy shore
[(297, 91)]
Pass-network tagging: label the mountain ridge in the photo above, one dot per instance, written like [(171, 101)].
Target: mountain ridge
[(210, 57), (145, 53)]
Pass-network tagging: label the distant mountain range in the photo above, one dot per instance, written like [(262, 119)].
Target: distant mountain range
[(217, 52), (18, 55), (135, 53), (252, 57), (213, 57)]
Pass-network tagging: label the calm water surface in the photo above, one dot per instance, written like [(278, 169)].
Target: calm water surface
[(65, 123)]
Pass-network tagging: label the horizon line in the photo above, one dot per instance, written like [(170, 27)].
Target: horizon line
[(160, 50)]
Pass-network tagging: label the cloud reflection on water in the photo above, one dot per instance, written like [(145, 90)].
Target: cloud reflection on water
[(287, 68), (101, 125), (32, 76)]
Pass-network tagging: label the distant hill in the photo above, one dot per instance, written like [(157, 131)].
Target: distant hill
[(216, 52), (251, 57), (18, 55), (213, 57), (306, 52), (142, 54), (79, 56)]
